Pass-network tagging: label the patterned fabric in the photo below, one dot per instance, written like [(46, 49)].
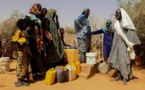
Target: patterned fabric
[(39, 42), (83, 32), (48, 36), (55, 51), (23, 67), (34, 9)]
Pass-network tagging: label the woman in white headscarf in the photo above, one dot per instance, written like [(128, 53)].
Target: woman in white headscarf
[(125, 38)]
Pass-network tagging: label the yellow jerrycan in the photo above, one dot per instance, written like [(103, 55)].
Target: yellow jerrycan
[(72, 54), (50, 76)]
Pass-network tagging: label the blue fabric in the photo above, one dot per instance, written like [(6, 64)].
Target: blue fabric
[(107, 41), (83, 33), (33, 17), (100, 31), (83, 30)]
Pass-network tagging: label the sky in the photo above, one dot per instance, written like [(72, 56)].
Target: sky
[(67, 10)]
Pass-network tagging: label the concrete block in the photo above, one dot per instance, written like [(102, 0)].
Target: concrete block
[(88, 70)]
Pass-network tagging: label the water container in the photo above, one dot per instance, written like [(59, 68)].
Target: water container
[(50, 76), (72, 54), (61, 75), (78, 67), (72, 72), (103, 67), (4, 64), (91, 58)]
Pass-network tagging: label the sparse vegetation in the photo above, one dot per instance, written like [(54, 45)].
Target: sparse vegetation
[(7, 30)]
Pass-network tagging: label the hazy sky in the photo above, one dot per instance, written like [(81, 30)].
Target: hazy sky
[(67, 10)]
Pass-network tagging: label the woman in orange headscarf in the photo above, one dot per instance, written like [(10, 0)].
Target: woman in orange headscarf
[(36, 41)]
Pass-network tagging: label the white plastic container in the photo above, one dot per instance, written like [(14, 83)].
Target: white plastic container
[(4, 64), (91, 58), (71, 72), (103, 67)]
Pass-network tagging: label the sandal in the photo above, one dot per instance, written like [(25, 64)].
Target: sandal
[(21, 83)]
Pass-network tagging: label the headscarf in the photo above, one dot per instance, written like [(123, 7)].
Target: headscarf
[(53, 26), (50, 14), (34, 8), (107, 27), (19, 34), (85, 10), (126, 21), (83, 14)]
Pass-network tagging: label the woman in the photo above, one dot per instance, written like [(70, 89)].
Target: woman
[(23, 67), (83, 30), (124, 38), (36, 40), (55, 50), (37, 61), (34, 11)]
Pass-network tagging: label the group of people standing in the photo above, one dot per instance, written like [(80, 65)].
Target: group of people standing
[(40, 45), (118, 42)]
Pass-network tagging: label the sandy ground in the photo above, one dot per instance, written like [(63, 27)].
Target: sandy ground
[(97, 82)]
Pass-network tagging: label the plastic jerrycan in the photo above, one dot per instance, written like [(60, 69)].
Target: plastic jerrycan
[(50, 76), (77, 64), (103, 67)]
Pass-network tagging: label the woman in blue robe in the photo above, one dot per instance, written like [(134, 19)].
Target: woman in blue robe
[(83, 30)]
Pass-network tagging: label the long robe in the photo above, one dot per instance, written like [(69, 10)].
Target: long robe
[(55, 50), (83, 30), (118, 55)]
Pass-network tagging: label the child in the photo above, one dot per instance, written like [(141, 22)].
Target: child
[(23, 67), (107, 39), (61, 34)]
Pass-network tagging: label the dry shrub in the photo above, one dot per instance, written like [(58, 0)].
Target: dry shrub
[(69, 30), (7, 30)]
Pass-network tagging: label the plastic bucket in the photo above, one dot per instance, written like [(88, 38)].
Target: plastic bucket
[(4, 64), (91, 58)]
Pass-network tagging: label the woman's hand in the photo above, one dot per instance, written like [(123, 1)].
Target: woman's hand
[(130, 45)]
